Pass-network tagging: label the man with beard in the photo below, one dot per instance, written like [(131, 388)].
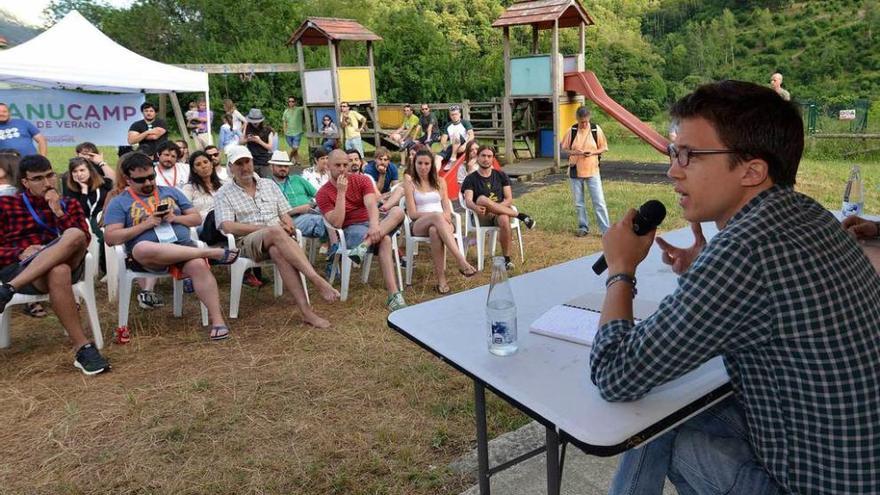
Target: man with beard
[(169, 171), (300, 195), (19, 134), (148, 133), (42, 250), (154, 224), (254, 210)]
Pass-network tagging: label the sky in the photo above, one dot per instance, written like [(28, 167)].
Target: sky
[(29, 11)]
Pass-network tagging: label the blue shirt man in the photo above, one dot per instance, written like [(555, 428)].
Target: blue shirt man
[(382, 170), (19, 134)]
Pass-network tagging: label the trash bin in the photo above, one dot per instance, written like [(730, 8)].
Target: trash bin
[(545, 138)]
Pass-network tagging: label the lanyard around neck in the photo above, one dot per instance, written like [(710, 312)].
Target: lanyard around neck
[(174, 177), (146, 207), (36, 216)]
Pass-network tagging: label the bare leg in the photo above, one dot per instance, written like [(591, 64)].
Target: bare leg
[(293, 255), (505, 233), (386, 263), (438, 256), (69, 250), (205, 286), (291, 280), (157, 255), (64, 304), (496, 208), (444, 234)]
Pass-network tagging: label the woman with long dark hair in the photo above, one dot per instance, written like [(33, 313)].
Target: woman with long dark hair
[(428, 206), (203, 182), (84, 184)]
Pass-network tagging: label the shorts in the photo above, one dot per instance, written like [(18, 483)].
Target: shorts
[(488, 220), (293, 141), (311, 225), (356, 233), (446, 153), (9, 272), (251, 246), (135, 266)]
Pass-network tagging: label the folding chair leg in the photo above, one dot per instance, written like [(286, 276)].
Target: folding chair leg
[(94, 322), (124, 299), (178, 298), (5, 341), (397, 266), (522, 255), (236, 278), (345, 277), (204, 311), (481, 236), (409, 262), (278, 284), (365, 268)]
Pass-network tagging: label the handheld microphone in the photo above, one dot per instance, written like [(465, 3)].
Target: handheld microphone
[(649, 216)]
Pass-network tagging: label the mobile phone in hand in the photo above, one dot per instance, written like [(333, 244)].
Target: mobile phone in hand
[(163, 209)]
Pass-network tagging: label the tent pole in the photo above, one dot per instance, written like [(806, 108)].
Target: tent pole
[(181, 124), (208, 108)]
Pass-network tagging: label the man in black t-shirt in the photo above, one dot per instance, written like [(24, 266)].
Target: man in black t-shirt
[(148, 133), (487, 192), (430, 128)]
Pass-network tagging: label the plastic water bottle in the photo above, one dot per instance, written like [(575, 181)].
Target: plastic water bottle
[(853, 196), (501, 311)]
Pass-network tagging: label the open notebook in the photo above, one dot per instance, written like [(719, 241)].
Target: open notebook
[(578, 320)]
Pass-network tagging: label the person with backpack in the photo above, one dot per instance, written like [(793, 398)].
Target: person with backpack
[(583, 146)]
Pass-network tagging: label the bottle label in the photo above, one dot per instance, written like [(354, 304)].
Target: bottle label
[(500, 333), (851, 208)]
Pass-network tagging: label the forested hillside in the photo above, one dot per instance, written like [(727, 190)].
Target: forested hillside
[(646, 52)]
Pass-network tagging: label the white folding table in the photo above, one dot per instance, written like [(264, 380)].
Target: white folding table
[(548, 379)]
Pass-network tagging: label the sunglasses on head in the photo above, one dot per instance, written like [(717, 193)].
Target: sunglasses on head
[(141, 180)]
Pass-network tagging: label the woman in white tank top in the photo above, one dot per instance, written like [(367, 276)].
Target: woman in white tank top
[(428, 206)]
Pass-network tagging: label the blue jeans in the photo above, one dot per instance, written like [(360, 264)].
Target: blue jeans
[(293, 141), (708, 454), (355, 144), (329, 145), (311, 225), (594, 184)]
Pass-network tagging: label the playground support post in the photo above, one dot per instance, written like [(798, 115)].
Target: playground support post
[(555, 78), (181, 124), (334, 76), (301, 65), (376, 127), (506, 111)]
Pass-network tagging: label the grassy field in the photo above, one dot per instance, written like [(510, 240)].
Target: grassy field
[(280, 407)]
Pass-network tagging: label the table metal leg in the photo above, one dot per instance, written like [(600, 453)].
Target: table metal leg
[(553, 474), (482, 438)]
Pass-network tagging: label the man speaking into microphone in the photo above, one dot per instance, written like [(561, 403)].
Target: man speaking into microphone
[(782, 293)]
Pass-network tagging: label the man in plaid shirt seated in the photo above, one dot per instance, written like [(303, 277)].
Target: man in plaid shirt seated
[(782, 293), (42, 251)]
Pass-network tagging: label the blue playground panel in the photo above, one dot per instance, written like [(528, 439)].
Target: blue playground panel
[(319, 116), (530, 76)]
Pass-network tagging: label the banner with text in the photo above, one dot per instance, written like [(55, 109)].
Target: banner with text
[(67, 117)]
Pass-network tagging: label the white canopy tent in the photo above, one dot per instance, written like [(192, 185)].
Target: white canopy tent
[(57, 58)]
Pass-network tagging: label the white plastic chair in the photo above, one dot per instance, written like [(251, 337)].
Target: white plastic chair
[(412, 241), (472, 222), (83, 290), (342, 264), (125, 280), (242, 264)]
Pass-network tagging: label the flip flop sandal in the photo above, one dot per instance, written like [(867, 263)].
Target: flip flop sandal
[(442, 290), (35, 310), (467, 274), (229, 257), (219, 332)]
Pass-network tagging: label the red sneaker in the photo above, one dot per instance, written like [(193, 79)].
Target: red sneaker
[(251, 280), (123, 336)]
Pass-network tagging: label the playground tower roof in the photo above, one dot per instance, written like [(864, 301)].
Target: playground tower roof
[(542, 13), (316, 31)]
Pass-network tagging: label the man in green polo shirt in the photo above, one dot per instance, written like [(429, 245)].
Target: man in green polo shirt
[(292, 119), (300, 193)]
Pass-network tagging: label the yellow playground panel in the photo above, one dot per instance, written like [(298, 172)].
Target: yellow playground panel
[(354, 84), (567, 117), (390, 117)]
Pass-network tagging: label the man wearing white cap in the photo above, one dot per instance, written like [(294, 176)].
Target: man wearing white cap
[(300, 194), (255, 211)]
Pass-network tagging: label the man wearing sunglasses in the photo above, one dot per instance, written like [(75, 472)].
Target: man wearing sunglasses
[(42, 251), (154, 224), (213, 153), (781, 292)]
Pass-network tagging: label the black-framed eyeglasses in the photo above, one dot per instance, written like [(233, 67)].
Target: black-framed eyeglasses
[(39, 178), (683, 156), (141, 180)]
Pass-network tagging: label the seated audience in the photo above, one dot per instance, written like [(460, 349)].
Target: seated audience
[(409, 129), (458, 133), (300, 196), (182, 151), (91, 153), (9, 159), (44, 252), (349, 201), (329, 133), (214, 154), (487, 192), (469, 164), (84, 184), (781, 294), (153, 222), (170, 172), (203, 183), (383, 171), (428, 126), (428, 206), (254, 210), (317, 174)]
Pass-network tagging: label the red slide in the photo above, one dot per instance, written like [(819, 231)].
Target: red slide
[(587, 84), (451, 176)]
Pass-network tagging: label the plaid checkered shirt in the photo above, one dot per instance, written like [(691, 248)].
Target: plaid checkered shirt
[(21, 231), (233, 203), (793, 305)]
